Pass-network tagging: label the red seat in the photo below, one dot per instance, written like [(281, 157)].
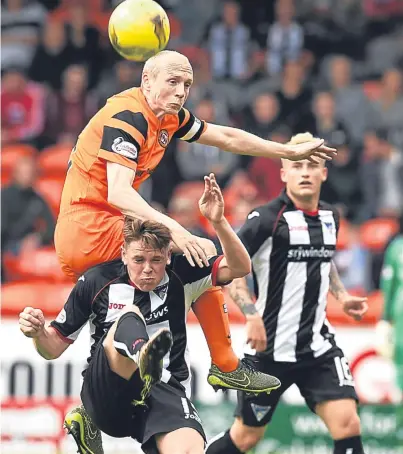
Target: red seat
[(53, 161), (35, 264), (51, 190), (343, 238), (50, 298), (375, 233)]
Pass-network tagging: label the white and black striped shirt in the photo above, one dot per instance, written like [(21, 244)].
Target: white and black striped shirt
[(104, 291), (291, 254)]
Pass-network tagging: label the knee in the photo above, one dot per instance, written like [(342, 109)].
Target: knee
[(108, 344), (349, 425), (245, 437)]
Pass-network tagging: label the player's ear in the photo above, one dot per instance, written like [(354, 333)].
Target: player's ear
[(169, 255), (145, 81), (324, 174), (123, 253), (283, 174)]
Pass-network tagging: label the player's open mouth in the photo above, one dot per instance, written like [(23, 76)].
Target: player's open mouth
[(305, 183)]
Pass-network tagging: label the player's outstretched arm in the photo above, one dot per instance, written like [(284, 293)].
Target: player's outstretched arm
[(122, 196), (241, 142), (236, 262), (46, 340)]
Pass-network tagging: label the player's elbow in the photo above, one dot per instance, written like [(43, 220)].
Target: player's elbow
[(242, 269)]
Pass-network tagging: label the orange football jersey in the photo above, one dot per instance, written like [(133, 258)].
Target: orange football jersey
[(127, 132)]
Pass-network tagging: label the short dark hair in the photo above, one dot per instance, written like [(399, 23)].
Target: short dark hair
[(153, 234)]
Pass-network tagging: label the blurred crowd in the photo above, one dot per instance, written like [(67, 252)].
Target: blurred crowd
[(271, 67)]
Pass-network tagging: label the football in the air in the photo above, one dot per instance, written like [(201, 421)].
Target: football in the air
[(138, 29)]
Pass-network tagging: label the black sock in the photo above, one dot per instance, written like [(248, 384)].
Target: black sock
[(130, 334), (223, 445), (352, 445)]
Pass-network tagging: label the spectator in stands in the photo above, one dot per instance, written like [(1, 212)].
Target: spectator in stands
[(70, 109), (230, 45), (27, 221), (52, 56), (21, 21), (84, 39), (184, 209), (22, 108), (342, 187), (389, 107), (196, 160), (382, 175), (350, 101), (125, 75), (285, 38), (324, 122), (263, 116), (294, 98), (265, 173)]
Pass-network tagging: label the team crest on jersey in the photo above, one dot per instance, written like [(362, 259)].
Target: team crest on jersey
[(330, 226), (124, 148), (163, 138), (161, 291)]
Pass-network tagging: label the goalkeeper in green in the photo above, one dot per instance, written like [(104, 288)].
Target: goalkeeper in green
[(390, 328)]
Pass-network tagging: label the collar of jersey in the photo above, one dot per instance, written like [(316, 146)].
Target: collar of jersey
[(290, 204)]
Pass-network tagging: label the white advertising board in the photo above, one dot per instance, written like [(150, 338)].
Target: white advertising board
[(25, 373)]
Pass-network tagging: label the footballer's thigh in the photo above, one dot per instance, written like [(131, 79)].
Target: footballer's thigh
[(328, 388), (181, 441), (86, 239), (253, 413), (172, 425)]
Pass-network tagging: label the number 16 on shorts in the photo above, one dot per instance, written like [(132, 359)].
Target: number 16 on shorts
[(343, 371)]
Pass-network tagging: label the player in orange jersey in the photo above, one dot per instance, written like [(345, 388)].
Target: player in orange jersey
[(118, 149)]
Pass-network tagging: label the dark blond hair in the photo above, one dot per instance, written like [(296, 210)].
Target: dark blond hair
[(152, 234)]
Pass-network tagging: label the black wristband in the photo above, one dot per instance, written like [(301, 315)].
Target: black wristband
[(249, 309)]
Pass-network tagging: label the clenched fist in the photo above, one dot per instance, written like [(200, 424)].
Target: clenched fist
[(32, 322)]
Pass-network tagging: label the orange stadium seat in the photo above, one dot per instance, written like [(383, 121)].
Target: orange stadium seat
[(375, 233), (48, 297), (343, 238), (51, 190), (53, 160), (337, 316), (41, 263)]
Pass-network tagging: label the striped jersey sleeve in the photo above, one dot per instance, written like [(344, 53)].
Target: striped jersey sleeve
[(76, 312), (190, 127), (123, 136)]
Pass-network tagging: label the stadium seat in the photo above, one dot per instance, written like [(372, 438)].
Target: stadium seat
[(49, 297), (337, 316), (53, 160), (375, 233), (9, 157), (343, 238), (41, 263), (51, 190)]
